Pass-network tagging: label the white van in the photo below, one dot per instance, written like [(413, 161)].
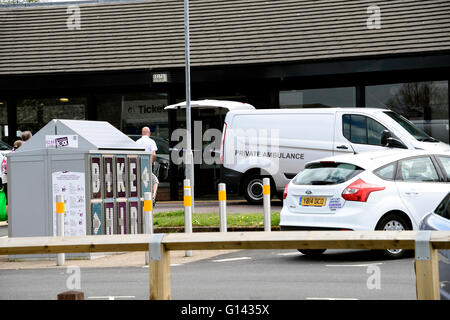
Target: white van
[(277, 143)]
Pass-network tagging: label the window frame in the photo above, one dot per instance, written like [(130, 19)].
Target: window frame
[(445, 176), (367, 132), (398, 176), (395, 164)]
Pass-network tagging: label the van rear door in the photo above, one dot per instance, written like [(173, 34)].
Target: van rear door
[(357, 132)]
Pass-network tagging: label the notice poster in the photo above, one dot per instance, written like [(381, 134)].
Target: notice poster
[(65, 141), (71, 185)]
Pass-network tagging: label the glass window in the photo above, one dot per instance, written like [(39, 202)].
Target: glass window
[(109, 109), (362, 129), (4, 125), (423, 103), (419, 169), (374, 132), (145, 109), (315, 98), (322, 173), (386, 172), (443, 208), (33, 114), (410, 127), (445, 161)]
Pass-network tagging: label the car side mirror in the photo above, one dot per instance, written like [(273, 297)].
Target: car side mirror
[(395, 143)]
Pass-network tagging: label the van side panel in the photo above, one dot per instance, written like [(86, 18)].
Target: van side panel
[(278, 143)]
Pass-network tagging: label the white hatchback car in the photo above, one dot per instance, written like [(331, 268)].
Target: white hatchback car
[(388, 190)]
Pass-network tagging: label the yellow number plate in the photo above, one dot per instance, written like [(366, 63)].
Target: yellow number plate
[(313, 201)]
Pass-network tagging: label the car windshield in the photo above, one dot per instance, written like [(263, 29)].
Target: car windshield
[(323, 173), (410, 127), (4, 146)]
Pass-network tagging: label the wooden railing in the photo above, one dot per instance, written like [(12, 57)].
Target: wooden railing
[(424, 243)]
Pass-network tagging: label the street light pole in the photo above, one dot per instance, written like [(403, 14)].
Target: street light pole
[(189, 158)]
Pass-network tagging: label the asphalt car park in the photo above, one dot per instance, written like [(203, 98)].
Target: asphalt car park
[(239, 275)]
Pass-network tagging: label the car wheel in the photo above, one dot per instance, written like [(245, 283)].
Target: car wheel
[(253, 189), (393, 222), (312, 252)]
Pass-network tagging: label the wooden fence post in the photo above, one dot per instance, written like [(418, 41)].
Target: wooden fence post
[(427, 268), (159, 269)]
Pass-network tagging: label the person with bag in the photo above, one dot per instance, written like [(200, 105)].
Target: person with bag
[(4, 177), (150, 145)]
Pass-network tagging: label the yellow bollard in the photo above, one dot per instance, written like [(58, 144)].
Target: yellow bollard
[(222, 207), (187, 211), (60, 210)]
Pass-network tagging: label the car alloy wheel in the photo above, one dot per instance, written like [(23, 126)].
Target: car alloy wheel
[(394, 225), (393, 222)]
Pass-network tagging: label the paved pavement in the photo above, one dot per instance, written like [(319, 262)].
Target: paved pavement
[(136, 259)]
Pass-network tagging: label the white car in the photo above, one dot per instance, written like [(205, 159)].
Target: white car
[(388, 190)]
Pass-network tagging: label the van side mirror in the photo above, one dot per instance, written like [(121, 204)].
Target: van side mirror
[(395, 143), (384, 136)]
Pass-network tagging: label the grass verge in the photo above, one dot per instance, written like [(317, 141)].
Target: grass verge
[(176, 219)]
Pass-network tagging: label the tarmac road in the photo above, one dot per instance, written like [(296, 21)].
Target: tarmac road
[(238, 275), (243, 274)]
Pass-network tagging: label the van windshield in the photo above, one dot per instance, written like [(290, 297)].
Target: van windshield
[(410, 127)]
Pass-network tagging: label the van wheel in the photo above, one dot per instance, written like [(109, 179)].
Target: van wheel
[(253, 189)]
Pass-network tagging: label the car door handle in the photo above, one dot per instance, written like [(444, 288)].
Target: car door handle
[(412, 193), (342, 147)]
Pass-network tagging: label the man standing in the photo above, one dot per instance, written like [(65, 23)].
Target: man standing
[(149, 145)]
